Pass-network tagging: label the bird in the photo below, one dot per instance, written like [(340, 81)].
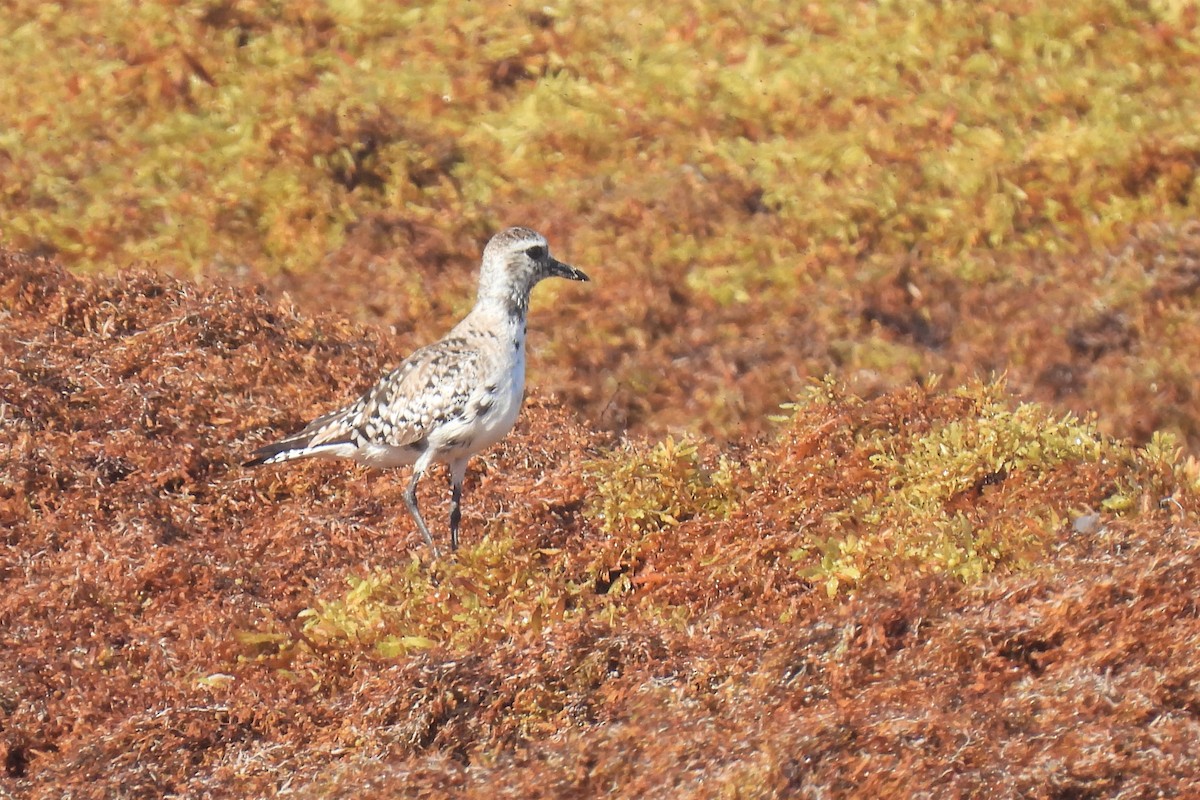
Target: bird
[(448, 400)]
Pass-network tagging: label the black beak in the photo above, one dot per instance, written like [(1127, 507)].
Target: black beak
[(561, 270)]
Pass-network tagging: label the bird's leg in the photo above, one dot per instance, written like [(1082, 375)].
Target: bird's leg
[(410, 500), (458, 471), (455, 515)]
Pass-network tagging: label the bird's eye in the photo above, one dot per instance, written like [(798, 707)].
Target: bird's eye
[(537, 252)]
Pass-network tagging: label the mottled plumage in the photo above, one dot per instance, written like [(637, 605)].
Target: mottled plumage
[(450, 399)]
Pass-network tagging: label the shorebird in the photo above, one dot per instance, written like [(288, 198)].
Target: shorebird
[(450, 399)]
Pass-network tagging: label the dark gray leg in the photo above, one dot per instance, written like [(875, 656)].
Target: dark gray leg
[(410, 500), (458, 471), (455, 515)]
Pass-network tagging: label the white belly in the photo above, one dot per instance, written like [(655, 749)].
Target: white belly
[(495, 425), (382, 455)]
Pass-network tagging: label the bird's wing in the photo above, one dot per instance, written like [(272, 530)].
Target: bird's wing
[(430, 387)]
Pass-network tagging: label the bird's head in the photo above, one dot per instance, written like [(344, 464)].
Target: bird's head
[(514, 261)]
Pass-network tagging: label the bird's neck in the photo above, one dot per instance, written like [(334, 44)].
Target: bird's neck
[(501, 312), (503, 300)]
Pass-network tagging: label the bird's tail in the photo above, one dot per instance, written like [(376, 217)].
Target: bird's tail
[(330, 435), (277, 452)]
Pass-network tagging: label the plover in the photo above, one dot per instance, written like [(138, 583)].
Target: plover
[(450, 399)]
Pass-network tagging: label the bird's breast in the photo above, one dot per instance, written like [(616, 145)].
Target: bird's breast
[(489, 414), (500, 402)]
